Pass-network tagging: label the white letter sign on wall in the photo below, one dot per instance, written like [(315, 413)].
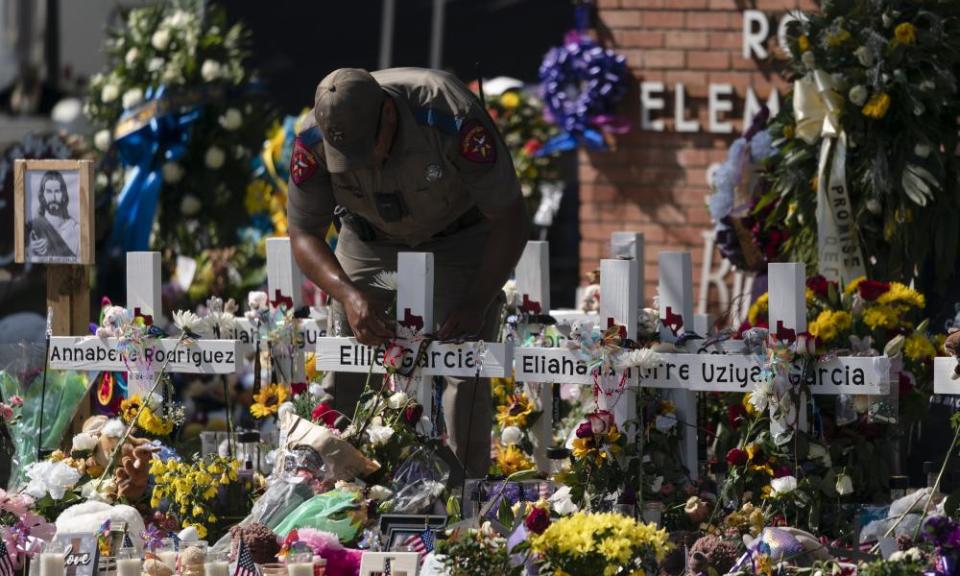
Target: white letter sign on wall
[(650, 102), (754, 37)]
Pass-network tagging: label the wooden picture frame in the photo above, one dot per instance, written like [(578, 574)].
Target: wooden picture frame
[(42, 236)]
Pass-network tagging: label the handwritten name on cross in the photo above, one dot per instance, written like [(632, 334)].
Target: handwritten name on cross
[(105, 354), (415, 273)]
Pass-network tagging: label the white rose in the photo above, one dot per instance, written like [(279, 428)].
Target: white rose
[(864, 56), (210, 70), (190, 205), (257, 300), (315, 390), (84, 441), (160, 39), (562, 502), (109, 93), (511, 435), (844, 484), (102, 140), (132, 55), (657, 484), (172, 172), (132, 97), (858, 94), (113, 429), (285, 408), (231, 119), (397, 400), (897, 556), (378, 492), (214, 158), (154, 401), (379, 435), (155, 64), (784, 485)]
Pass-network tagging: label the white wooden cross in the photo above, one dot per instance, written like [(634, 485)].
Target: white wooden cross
[(414, 311), (284, 280), (619, 300), (533, 288), (676, 317), (144, 299)]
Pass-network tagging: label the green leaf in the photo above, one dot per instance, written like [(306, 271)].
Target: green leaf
[(522, 475)]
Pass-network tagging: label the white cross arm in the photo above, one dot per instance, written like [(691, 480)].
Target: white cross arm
[(348, 355), (943, 376), (310, 330), (104, 354)]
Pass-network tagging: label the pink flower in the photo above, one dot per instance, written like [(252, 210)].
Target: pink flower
[(16, 401), (6, 412), (600, 421)]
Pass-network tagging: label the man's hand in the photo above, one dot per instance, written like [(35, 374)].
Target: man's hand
[(464, 322), (38, 245), (370, 326)]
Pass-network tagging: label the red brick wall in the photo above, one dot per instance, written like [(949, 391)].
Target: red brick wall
[(655, 182)]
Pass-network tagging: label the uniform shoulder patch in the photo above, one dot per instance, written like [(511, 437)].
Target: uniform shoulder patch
[(477, 143), (303, 162)]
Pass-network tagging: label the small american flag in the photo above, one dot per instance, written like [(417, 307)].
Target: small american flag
[(127, 542), (422, 542), (6, 565), (245, 564)]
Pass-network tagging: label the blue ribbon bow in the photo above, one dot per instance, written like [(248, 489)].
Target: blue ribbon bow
[(154, 133)]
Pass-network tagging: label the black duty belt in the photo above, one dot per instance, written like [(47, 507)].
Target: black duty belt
[(369, 233)]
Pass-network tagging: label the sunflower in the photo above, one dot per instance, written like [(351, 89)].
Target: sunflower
[(129, 408), (515, 412), (511, 459), (268, 400)]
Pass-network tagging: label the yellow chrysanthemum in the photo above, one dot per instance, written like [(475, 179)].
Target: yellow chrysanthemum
[(918, 347), (268, 400), (881, 317), (830, 324), (837, 38), (803, 43), (515, 412), (852, 286), (905, 33), (510, 99), (877, 106), (761, 306), (616, 538), (511, 459), (501, 389), (902, 294)]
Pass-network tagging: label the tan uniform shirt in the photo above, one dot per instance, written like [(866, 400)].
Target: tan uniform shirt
[(446, 158)]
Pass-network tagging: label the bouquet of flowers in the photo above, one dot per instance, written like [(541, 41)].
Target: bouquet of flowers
[(607, 544), (190, 490), (179, 119), (871, 118)]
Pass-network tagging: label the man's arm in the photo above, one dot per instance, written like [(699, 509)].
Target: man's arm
[(320, 265), (505, 244)]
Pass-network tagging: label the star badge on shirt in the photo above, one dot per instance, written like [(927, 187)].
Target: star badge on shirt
[(303, 163), (476, 143)]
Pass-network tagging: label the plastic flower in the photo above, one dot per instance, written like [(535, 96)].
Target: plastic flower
[(511, 459), (515, 412), (905, 33), (877, 106), (268, 400)]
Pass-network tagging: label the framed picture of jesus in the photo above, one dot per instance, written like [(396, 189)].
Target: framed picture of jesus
[(53, 216)]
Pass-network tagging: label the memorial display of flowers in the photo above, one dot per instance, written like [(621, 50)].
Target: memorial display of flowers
[(882, 73), (179, 119)]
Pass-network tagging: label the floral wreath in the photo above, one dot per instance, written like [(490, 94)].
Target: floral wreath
[(582, 84)]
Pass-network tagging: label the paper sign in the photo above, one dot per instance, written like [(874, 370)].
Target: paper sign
[(105, 354)]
